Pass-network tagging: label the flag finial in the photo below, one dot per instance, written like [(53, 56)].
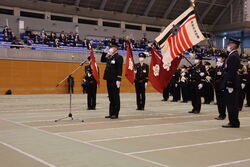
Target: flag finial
[(193, 2)]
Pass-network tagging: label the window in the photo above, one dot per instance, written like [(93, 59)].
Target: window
[(85, 21), (133, 27), (61, 18), (153, 29), (6, 11), (111, 24), (31, 14)]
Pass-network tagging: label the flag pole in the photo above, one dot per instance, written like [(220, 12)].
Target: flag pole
[(198, 18)]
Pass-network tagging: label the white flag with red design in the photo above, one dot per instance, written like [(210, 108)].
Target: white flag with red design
[(182, 34)]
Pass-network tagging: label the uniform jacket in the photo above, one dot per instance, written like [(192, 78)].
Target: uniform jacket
[(141, 72), (113, 70), (230, 77)]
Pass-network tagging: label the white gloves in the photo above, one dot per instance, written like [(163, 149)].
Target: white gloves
[(89, 75), (176, 85), (200, 86), (243, 85), (146, 84), (230, 90), (219, 73), (118, 84), (202, 74)]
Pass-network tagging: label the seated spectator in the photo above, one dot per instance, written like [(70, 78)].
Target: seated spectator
[(27, 31)]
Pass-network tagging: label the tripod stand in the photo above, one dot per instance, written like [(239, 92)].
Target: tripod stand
[(70, 115)]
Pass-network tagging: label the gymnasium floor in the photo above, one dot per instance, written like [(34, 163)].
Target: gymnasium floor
[(162, 135)]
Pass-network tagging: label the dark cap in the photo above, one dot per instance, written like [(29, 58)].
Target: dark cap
[(207, 63), (142, 55), (234, 41), (222, 55)]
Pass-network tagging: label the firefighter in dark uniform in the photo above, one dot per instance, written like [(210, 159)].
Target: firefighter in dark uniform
[(243, 81), (91, 87), (208, 85), (197, 78), (184, 84), (175, 86), (113, 76), (141, 81), (220, 94), (71, 84), (230, 83), (248, 83)]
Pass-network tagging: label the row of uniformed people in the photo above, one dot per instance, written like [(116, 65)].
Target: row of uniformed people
[(229, 78), (198, 78), (181, 84), (113, 76)]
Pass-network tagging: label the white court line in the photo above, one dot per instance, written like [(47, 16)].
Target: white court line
[(115, 151), (90, 144), (91, 117), (130, 154), (122, 115), (188, 146), (157, 134), (230, 163), (27, 154), (150, 135), (128, 120), (140, 126), (48, 109), (28, 110)]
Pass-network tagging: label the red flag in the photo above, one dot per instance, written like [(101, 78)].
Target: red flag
[(129, 67), (158, 76), (94, 66)]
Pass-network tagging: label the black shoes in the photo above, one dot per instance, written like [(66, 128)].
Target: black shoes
[(230, 126), (194, 112), (140, 109), (112, 117), (220, 118)]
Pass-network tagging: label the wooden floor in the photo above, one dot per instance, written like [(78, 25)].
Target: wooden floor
[(163, 135)]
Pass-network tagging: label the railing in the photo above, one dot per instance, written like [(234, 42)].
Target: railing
[(76, 49)]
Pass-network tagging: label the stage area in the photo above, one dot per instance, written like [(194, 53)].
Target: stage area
[(164, 135)]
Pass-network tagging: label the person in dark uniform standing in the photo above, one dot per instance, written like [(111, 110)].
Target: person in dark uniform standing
[(248, 83), (113, 76), (230, 83), (141, 81), (176, 90), (184, 84), (197, 77), (220, 94), (208, 85), (91, 87), (243, 81), (71, 84)]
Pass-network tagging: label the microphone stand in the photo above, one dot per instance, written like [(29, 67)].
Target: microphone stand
[(70, 115)]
